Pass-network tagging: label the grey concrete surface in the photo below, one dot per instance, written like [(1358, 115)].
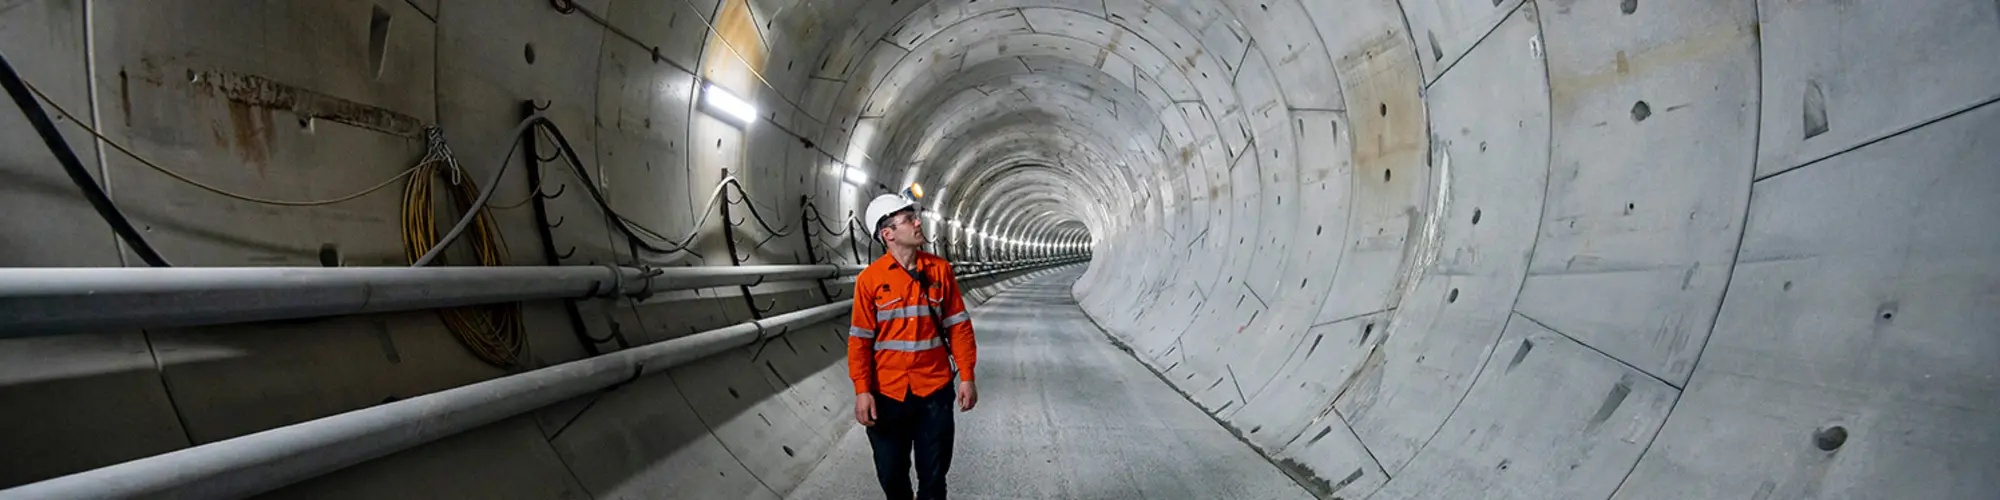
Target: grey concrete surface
[(1063, 413), (1620, 249)]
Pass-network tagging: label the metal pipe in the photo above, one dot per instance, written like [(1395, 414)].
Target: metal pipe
[(687, 278), (256, 463), (50, 301), (1021, 266)]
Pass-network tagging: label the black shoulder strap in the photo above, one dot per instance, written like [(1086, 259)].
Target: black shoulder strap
[(924, 282)]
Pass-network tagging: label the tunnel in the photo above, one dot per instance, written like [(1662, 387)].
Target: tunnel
[(1336, 249)]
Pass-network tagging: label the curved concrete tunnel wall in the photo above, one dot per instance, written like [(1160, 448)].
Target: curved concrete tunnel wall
[(1415, 249)]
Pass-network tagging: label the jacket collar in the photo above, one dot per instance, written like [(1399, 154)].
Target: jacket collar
[(889, 262)]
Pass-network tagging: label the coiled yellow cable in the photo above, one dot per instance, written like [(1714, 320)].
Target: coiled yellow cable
[(493, 332)]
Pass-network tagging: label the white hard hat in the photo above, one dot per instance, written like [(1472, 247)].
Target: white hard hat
[(882, 207)]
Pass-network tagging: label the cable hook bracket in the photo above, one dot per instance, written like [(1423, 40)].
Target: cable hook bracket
[(646, 275)]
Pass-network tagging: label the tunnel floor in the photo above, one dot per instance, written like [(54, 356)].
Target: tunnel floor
[(1065, 414)]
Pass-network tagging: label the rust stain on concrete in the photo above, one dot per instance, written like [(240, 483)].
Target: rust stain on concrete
[(253, 134), (1387, 113), (735, 26), (149, 71), (1117, 37), (259, 92), (1717, 44), (215, 132)]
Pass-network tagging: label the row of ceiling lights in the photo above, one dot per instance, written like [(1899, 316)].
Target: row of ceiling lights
[(718, 101)]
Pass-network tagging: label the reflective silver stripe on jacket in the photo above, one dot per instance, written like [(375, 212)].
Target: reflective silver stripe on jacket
[(955, 319), (903, 312), (860, 332), (909, 345)]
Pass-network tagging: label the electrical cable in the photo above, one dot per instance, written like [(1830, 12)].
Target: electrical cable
[(743, 199), (518, 204), (524, 201), (478, 207), (626, 225), (821, 219), (190, 181), (53, 139), (493, 332)]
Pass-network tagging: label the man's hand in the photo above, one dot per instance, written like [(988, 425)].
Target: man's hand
[(968, 395), (864, 409)]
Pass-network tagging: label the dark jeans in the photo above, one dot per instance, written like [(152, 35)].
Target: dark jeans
[(925, 422)]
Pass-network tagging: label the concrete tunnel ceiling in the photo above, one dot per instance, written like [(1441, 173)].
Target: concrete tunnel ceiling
[(1631, 249), (1487, 245)]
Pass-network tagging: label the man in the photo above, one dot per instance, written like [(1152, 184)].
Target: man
[(909, 325)]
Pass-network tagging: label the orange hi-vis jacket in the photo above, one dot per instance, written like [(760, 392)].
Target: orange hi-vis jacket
[(893, 344)]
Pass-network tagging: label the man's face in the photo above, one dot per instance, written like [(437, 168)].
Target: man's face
[(904, 228)]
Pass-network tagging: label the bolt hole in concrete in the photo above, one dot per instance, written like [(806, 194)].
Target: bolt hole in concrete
[(1815, 110), (1452, 297), (329, 255), (1830, 438), (528, 52), (1385, 109), (1385, 175), (1628, 6), (1475, 216), (1641, 111)]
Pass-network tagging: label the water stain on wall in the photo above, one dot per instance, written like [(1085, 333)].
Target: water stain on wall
[(253, 134)]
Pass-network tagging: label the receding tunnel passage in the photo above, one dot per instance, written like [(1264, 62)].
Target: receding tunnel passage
[(1072, 417), (1346, 249)]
